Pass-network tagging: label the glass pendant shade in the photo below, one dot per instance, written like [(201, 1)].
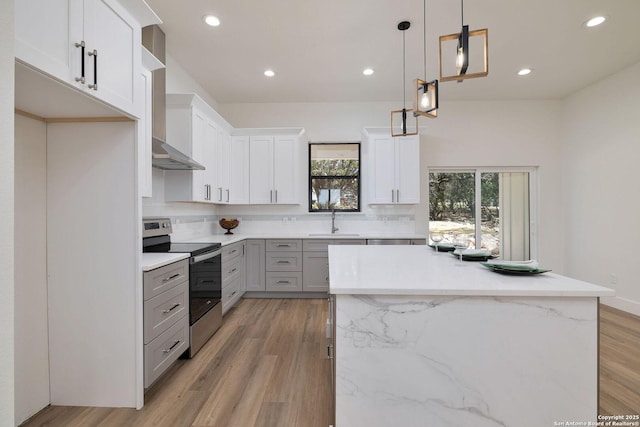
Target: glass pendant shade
[(425, 101)]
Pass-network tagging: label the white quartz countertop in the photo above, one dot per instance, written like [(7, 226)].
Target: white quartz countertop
[(419, 270), (234, 238), (151, 261)]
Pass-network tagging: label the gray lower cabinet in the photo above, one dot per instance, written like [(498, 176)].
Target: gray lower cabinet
[(166, 320), (255, 265), (283, 264), (315, 262), (233, 274)]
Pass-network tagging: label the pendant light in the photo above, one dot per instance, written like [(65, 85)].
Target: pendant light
[(425, 99), (462, 51), (401, 115)]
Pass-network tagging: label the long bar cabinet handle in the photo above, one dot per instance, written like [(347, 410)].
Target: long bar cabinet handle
[(81, 46), (94, 53)]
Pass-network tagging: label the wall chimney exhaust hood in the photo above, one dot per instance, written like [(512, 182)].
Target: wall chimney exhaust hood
[(164, 155)]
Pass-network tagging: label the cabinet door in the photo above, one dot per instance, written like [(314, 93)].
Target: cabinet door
[(46, 33), (285, 176), (261, 163), (144, 137), (255, 265), (315, 273), (239, 170), (223, 192), (112, 73), (199, 190), (408, 170), (382, 177), (209, 159)]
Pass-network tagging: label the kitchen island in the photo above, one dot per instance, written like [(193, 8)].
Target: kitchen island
[(422, 339)]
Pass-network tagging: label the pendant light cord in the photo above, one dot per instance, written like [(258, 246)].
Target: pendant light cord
[(461, 13), (404, 65), (424, 38)]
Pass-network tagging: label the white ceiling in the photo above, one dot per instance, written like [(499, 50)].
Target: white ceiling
[(318, 49)]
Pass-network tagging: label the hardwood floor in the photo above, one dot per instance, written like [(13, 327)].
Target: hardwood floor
[(619, 362), (267, 367)]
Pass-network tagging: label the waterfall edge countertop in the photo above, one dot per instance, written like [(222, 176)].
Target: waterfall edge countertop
[(419, 270)]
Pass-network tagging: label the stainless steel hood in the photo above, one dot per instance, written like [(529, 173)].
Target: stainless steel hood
[(164, 155)]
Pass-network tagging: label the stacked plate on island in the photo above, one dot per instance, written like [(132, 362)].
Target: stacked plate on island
[(515, 268), (473, 254), (443, 247)]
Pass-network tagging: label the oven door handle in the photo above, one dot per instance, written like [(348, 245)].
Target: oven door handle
[(204, 257)]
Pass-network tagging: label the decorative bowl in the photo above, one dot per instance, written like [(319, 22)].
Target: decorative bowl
[(229, 224)]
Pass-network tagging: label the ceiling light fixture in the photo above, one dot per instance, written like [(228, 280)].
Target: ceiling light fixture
[(525, 71), (211, 20), (595, 21), (367, 71), (425, 99), (269, 73), (403, 26), (462, 51)]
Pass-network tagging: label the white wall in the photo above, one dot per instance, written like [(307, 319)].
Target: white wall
[(7, 409), (31, 330), (515, 133), (600, 155)]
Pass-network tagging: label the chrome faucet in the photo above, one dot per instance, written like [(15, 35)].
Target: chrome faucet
[(333, 222)]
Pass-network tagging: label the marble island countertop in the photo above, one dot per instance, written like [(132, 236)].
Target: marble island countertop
[(418, 270)]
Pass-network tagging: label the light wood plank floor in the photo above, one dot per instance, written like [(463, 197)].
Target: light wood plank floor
[(267, 367)]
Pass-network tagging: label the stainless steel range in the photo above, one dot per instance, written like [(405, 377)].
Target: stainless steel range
[(205, 278)]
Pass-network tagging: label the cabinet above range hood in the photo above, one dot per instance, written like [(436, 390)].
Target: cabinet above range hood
[(164, 155)]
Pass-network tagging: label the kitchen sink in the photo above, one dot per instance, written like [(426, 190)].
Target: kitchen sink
[(333, 235)]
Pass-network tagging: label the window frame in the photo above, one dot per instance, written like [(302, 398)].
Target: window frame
[(357, 177), (534, 212)]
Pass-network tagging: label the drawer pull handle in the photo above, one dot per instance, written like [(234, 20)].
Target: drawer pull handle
[(172, 347), (166, 279), (283, 281), (233, 293), (173, 307), (233, 271), (283, 246), (233, 251), (284, 262)]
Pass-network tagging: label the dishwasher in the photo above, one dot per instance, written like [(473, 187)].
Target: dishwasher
[(388, 241)]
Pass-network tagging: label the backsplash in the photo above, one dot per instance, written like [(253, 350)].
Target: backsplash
[(192, 226)]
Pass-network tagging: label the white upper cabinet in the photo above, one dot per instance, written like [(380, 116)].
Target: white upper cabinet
[(394, 175), (274, 169), (92, 45), (239, 170)]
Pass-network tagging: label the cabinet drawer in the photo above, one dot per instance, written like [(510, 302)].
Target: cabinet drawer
[(231, 270), (284, 282), (231, 293), (316, 244), (160, 353), (231, 252), (287, 261), (281, 245), (162, 311), (349, 242), (163, 278)]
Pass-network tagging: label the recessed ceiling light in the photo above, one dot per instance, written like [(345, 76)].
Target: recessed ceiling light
[(367, 71), (212, 20), (595, 21), (269, 73), (524, 71)]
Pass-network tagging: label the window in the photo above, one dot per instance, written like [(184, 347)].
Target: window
[(492, 207), (334, 177)]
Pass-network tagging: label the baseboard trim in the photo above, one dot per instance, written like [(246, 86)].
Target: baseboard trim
[(623, 304)]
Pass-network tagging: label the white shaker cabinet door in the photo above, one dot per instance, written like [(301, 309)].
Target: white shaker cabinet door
[(285, 174), (239, 170), (382, 170), (223, 191), (113, 56), (261, 163), (46, 33), (408, 170)]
